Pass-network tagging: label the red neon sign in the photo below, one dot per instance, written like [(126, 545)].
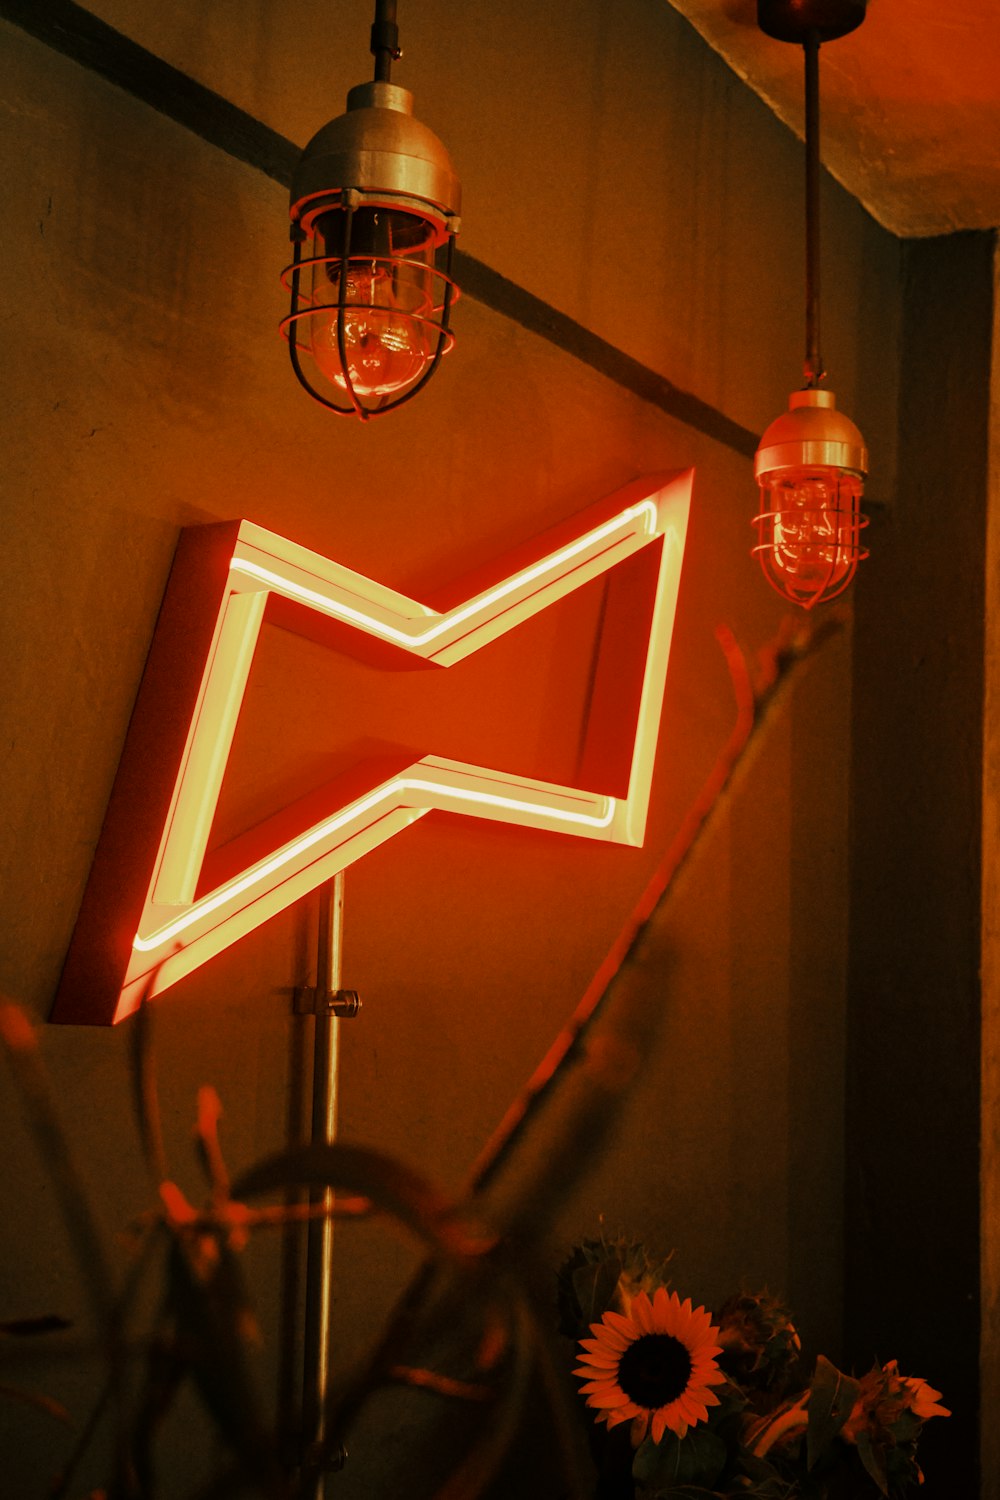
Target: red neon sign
[(144, 916)]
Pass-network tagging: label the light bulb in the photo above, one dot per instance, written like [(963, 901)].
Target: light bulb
[(388, 336), (809, 528), (810, 467)]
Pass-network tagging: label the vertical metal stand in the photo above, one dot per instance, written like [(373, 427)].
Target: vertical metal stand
[(327, 1002)]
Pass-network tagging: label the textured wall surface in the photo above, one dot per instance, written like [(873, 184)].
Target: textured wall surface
[(614, 168), (915, 1026)]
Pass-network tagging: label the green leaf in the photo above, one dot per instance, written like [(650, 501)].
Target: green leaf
[(831, 1400), (763, 1482), (755, 1468), (732, 1403), (697, 1459), (874, 1460), (773, 1488), (906, 1428), (644, 1463), (600, 1274), (594, 1287)]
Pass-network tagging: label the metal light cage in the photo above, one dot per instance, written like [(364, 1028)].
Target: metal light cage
[(374, 212), (808, 535)]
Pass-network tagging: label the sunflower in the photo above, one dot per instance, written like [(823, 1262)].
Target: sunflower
[(921, 1398), (656, 1363)]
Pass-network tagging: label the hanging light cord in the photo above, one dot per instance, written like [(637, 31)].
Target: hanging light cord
[(814, 372), (385, 39)]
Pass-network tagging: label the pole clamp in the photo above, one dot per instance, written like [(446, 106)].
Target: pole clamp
[(314, 1000)]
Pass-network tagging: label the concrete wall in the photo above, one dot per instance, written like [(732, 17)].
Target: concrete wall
[(915, 1030), (615, 169)]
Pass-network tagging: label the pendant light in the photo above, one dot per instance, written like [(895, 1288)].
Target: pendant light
[(374, 201), (812, 460)]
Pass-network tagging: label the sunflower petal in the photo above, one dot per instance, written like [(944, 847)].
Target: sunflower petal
[(642, 1313), (640, 1426), (607, 1338), (675, 1421), (693, 1410), (601, 1356), (608, 1397), (599, 1387)]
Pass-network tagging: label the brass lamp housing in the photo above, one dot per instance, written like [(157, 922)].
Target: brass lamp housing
[(376, 160), (812, 433), (377, 147)]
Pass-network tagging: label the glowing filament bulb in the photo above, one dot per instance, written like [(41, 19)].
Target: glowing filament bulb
[(385, 306)]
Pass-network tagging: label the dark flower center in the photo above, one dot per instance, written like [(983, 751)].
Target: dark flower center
[(654, 1370)]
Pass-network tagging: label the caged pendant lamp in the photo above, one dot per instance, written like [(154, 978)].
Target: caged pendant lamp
[(811, 462), (374, 206)]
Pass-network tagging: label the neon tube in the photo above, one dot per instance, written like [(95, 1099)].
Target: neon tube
[(221, 580)]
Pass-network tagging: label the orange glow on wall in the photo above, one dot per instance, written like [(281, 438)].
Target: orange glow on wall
[(145, 921)]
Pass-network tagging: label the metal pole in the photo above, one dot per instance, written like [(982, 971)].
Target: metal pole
[(319, 1253), (814, 360)]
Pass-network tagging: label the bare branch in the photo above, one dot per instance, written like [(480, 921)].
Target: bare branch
[(753, 703)]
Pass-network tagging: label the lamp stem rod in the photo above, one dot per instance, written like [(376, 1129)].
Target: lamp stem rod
[(319, 1250), (814, 371), (385, 39)]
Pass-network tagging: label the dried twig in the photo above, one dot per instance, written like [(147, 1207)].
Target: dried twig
[(39, 1402), (754, 700), (209, 1145), (441, 1385)]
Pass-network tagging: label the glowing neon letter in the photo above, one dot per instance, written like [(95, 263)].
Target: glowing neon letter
[(142, 915)]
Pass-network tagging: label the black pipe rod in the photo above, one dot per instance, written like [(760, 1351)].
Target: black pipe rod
[(385, 39), (814, 360)]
